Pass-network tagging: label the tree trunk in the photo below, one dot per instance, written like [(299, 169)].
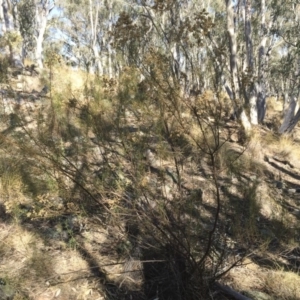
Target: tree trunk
[(40, 39), (42, 12), (109, 47), (2, 16), (262, 64), (8, 24), (94, 23), (175, 21), (233, 50), (248, 36), (252, 100), (239, 110), (290, 118)]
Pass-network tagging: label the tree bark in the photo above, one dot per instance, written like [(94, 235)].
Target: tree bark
[(262, 64), (42, 12), (248, 36), (229, 291), (233, 49), (94, 23), (109, 47), (8, 24), (8, 13), (239, 110), (42, 21), (290, 118), (252, 98)]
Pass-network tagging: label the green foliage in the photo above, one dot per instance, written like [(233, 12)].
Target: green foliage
[(52, 58), (11, 38), (27, 14)]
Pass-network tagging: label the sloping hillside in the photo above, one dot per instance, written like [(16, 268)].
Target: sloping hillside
[(114, 191)]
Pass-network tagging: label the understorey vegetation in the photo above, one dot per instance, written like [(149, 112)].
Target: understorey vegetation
[(175, 187), (162, 168)]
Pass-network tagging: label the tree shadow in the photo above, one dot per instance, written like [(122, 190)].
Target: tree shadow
[(4, 216), (265, 231), (284, 170)]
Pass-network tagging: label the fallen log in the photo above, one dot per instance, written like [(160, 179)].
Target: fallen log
[(230, 292)]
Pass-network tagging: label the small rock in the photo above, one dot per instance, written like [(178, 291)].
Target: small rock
[(19, 86), (279, 184), (7, 292), (150, 157), (234, 137), (44, 90)]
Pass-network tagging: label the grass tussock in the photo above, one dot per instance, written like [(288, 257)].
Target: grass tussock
[(275, 104), (284, 285), (272, 283)]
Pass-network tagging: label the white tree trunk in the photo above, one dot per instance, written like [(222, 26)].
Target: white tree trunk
[(40, 39), (248, 36), (3, 27), (245, 121), (94, 12), (9, 18), (233, 49), (5, 21), (110, 50), (253, 109), (8, 24), (250, 64), (42, 12), (234, 67)]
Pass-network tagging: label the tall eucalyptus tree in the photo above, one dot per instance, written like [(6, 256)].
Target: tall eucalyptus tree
[(10, 35), (33, 17), (256, 36), (174, 30), (86, 28), (287, 69), (249, 62)]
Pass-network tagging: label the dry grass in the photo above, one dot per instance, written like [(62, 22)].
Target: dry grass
[(12, 188), (284, 146), (69, 82), (277, 284), (269, 207), (21, 261), (266, 143), (285, 285), (274, 104), (28, 266), (288, 149)]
